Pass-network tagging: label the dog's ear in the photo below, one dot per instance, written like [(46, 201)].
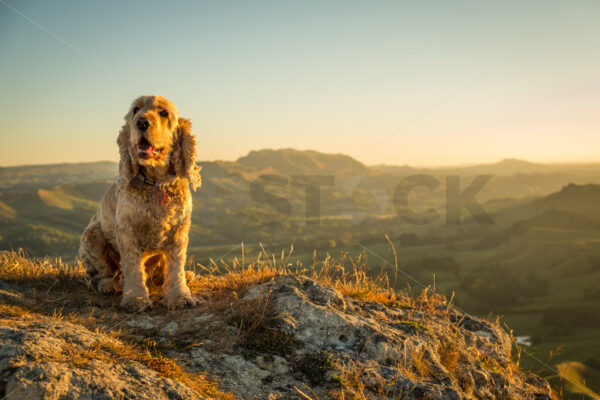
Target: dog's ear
[(183, 156), (128, 169)]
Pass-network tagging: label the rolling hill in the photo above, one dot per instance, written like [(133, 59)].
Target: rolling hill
[(55, 174), (37, 201)]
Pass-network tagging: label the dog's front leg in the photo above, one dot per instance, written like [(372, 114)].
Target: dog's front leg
[(177, 293), (135, 292)]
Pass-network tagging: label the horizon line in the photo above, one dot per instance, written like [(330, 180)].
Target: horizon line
[(421, 166)]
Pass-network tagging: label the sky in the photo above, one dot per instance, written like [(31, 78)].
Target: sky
[(423, 83)]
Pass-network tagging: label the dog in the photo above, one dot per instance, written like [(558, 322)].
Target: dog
[(143, 221)]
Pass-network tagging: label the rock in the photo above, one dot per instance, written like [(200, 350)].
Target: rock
[(169, 329), (289, 335), (51, 380), (387, 345), (34, 365), (242, 376), (204, 318), (143, 322)]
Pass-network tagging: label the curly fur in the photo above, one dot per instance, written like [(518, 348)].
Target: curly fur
[(142, 228)]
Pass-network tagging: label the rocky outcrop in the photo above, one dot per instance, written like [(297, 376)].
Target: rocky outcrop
[(326, 341), (52, 359), (288, 338)]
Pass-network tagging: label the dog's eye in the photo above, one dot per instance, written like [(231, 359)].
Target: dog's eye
[(164, 114), (135, 110)]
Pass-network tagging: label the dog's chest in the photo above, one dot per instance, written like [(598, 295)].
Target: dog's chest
[(163, 218)]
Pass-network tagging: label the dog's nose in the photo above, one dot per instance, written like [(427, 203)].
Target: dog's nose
[(142, 124)]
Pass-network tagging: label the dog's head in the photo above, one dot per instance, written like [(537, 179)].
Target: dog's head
[(155, 136)]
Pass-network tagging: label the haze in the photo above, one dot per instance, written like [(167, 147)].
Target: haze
[(423, 83)]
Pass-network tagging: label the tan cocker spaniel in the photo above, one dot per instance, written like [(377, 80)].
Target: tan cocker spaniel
[(144, 218)]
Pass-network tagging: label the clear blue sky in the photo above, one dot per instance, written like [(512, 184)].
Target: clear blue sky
[(464, 81)]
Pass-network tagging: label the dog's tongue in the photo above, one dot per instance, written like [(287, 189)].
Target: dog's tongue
[(146, 148)]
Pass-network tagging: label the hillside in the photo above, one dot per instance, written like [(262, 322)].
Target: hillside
[(56, 174), (45, 208), (262, 331), (582, 199), (509, 166)]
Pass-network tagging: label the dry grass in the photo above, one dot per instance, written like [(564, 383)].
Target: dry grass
[(19, 266), (351, 384), (10, 311), (449, 355), (64, 291), (218, 284), (350, 276)]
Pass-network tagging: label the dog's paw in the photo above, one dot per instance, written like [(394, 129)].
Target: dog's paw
[(180, 300), (109, 285), (136, 303)]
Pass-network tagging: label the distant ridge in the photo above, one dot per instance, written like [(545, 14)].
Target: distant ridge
[(295, 162), (511, 166), (291, 161), (507, 166)]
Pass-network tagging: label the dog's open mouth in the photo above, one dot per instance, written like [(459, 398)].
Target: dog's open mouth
[(146, 150)]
